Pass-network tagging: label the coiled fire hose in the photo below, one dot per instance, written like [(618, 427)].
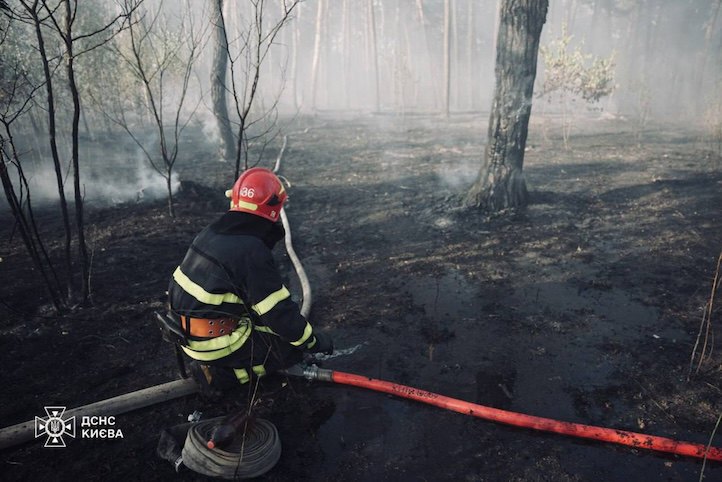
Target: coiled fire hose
[(623, 437), (251, 453)]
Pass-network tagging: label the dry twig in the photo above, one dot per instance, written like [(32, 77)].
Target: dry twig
[(706, 326), (711, 437)]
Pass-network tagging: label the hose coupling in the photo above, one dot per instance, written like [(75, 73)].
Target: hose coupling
[(309, 372)]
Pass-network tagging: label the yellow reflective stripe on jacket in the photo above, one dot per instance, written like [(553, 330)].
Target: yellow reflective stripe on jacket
[(304, 338), (264, 329), (215, 348), (270, 301), (197, 291)]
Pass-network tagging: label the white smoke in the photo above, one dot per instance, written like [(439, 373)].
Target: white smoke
[(127, 180)]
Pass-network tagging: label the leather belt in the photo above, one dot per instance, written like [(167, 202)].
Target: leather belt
[(208, 328)]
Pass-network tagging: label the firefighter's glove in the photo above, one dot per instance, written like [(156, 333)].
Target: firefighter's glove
[(321, 343)]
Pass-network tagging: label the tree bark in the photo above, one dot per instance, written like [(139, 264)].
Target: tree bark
[(470, 41), (219, 74), (28, 228), (447, 56), (346, 49), (294, 59), (456, 56), (374, 53), (501, 184), (52, 138), (75, 141), (431, 70), (317, 51), (710, 28)]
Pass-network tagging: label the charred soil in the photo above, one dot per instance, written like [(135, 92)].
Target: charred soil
[(584, 306)]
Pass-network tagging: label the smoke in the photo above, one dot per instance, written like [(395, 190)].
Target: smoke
[(391, 58), (130, 180), (211, 132), (134, 180), (458, 166), (458, 175), (209, 127)]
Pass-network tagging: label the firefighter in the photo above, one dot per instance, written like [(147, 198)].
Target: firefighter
[(227, 297)]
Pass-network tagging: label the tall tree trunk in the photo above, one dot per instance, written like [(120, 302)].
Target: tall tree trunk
[(501, 182), (447, 57), (707, 52), (345, 49), (374, 54), (75, 95), (317, 51), (326, 56), (456, 50), (219, 74), (409, 69), (294, 58), (431, 70), (470, 37), (27, 227), (52, 135)]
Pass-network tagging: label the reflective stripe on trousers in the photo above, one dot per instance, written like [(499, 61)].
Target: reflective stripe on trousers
[(242, 373)]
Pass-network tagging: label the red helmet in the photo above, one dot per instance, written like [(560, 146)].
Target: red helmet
[(258, 191)]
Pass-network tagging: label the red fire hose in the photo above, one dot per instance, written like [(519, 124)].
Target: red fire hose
[(623, 437)]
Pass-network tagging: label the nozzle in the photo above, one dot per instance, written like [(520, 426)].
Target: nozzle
[(221, 436), (224, 433)]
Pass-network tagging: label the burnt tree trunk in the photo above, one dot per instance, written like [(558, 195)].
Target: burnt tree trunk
[(52, 138), (75, 154), (501, 184), (219, 73), (26, 224)]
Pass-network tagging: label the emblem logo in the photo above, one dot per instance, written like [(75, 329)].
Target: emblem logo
[(55, 427)]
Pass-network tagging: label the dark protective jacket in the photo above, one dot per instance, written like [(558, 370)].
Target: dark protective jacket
[(229, 263)]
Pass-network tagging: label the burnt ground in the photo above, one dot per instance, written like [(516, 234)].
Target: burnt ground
[(584, 307)]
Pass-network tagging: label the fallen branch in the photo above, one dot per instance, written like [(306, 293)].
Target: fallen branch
[(24, 432)]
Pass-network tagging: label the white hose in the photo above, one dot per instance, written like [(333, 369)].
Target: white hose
[(300, 272)]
